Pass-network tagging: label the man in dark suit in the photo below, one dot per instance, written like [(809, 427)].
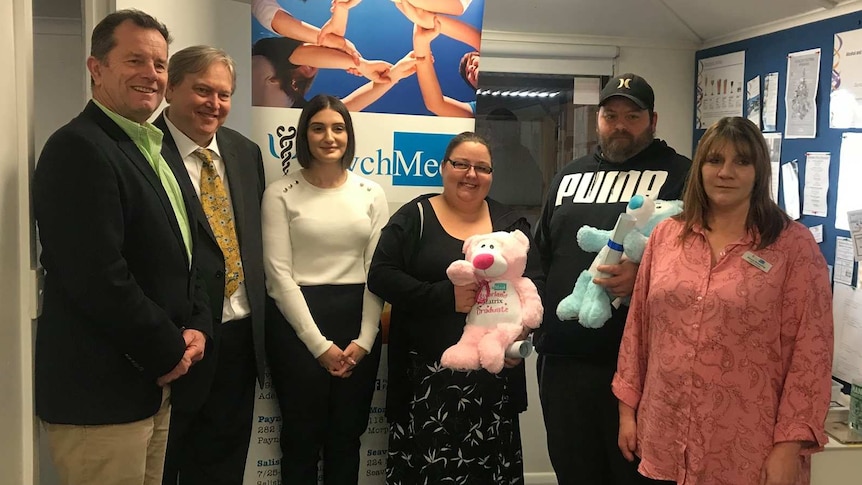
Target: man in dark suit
[(221, 171), (123, 315)]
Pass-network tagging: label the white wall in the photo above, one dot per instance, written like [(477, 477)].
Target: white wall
[(16, 416), (670, 71)]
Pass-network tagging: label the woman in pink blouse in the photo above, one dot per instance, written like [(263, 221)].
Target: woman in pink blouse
[(725, 364)]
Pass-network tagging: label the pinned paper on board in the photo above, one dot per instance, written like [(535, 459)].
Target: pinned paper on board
[(773, 143), (847, 315), (843, 268), (816, 184), (752, 100), (849, 175), (770, 101), (719, 88), (790, 188), (817, 232), (803, 69), (854, 219)]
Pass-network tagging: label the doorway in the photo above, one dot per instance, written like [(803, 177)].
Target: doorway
[(59, 93), (534, 129)]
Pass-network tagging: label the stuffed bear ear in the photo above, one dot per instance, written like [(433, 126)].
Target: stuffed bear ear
[(521, 238), (467, 243)]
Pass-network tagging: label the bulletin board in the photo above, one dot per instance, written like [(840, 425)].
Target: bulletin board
[(768, 53)]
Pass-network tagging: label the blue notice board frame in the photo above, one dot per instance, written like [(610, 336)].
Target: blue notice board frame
[(768, 53)]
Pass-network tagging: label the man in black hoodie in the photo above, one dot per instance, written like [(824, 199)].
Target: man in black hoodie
[(576, 364)]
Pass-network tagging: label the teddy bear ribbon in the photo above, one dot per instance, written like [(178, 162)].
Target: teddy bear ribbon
[(484, 292)]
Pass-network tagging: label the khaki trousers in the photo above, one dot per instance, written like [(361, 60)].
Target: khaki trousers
[(113, 454)]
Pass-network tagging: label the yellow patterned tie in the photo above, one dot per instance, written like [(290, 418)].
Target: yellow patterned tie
[(220, 216)]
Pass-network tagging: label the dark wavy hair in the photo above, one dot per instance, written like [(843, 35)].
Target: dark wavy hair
[(765, 219), (314, 106)]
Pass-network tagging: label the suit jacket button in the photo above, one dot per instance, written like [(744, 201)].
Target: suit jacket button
[(219, 274)]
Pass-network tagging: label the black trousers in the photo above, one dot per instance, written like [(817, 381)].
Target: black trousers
[(582, 422), (321, 412), (209, 447)]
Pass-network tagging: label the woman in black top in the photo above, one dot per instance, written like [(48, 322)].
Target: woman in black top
[(461, 426)]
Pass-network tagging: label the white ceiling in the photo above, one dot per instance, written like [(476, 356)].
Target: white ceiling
[(690, 21)]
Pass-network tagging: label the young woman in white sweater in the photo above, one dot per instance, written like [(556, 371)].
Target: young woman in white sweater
[(320, 228)]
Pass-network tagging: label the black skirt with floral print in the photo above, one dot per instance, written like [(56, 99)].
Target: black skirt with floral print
[(460, 430)]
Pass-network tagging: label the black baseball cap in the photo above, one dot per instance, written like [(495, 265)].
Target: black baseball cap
[(629, 86)]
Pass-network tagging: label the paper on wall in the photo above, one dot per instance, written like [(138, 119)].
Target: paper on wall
[(752, 100), (843, 269), (770, 101), (855, 222), (816, 184), (773, 142), (803, 74), (817, 232), (847, 316), (790, 186), (849, 175)]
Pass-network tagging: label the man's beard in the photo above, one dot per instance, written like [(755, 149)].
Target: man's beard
[(619, 147)]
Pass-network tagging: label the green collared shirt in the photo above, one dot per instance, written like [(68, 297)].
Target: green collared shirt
[(148, 139)]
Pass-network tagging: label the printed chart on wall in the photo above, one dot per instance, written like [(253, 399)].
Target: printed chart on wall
[(770, 101), (405, 108), (849, 175), (773, 142), (720, 88), (803, 70), (847, 313), (845, 103), (752, 100)]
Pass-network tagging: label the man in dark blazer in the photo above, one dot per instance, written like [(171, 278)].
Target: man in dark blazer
[(221, 171), (123, 316)]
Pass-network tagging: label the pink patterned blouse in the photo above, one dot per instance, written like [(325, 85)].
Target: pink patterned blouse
[(722, 362)]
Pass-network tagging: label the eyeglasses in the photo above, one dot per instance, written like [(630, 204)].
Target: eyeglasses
[(464, 166)]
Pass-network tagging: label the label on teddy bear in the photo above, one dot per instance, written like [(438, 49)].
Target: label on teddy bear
[(498, 303)]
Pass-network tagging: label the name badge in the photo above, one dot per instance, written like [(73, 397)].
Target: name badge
[(757, 261)]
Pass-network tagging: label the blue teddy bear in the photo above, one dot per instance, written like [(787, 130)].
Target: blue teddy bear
[(590, 303)]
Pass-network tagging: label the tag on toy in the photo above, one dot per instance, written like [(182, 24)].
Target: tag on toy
[(484, 291), (493, 302)]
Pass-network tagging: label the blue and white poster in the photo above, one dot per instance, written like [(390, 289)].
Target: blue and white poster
[(406, 69), (408, 72), (370, 53)]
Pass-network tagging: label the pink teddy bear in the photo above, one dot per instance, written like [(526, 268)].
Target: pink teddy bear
[(506, 301)]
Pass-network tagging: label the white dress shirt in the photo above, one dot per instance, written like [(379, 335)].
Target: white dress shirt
[(236, 307)]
